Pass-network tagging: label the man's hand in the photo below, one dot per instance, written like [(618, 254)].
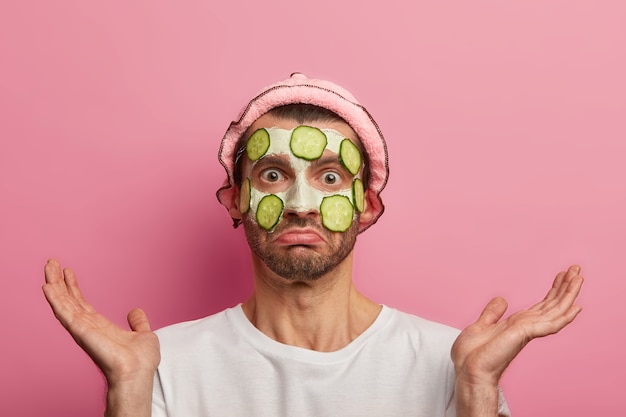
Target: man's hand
[(128, 359), (484, 349)]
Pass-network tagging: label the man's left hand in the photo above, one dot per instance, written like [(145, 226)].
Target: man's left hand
[(484, 349)]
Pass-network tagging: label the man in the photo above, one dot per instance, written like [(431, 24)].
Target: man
[(305, 167)]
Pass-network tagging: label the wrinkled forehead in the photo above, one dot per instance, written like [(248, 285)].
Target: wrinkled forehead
[(283, 141), (268, 120)]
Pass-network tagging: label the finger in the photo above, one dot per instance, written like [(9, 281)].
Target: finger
[(61, 304), (572, 313), (562, 311), (558, 290), (52, 272), (554, 326), (60, 292), (72, 284), (571, 292), (493, 311), (556, 284), (574, 269), (54, 288), (572, 272), (138, 320), (74, 290)]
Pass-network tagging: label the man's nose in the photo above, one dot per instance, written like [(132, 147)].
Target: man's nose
[(301, 198)]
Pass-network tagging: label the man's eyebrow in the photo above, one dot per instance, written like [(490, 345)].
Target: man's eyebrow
[(273, 160), (331, 159)]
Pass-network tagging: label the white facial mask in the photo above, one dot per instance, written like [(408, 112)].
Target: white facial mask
[(301, 196)]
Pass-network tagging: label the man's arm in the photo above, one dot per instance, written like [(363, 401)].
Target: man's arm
[(128, 359), (484, 349)]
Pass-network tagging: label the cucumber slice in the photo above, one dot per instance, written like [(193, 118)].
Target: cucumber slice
[(269, 211), (337, 213), (358, 195), (307, 142), (258, 144), (244, 196), (350, 156)]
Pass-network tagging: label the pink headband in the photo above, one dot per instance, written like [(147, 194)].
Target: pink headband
[(298, 89)]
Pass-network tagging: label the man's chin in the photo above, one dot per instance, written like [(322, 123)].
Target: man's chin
[(299, 263)]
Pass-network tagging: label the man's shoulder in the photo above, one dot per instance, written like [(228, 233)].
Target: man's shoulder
[(196, 330), (428, 331)]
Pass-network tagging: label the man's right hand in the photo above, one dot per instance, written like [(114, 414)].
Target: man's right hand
[(128, 359)]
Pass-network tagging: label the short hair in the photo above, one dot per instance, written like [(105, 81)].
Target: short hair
[(301, 113)]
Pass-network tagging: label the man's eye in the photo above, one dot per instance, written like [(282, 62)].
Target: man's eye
[(272, 175), (330, 178)]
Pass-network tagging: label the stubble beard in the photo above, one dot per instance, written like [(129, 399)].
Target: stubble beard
[(299, 263)]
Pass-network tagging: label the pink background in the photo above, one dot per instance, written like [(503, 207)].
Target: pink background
[(507, 137)]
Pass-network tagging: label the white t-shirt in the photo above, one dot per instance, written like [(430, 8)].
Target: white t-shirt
[(222, 365)]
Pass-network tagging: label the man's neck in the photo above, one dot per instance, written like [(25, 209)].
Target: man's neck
[(325, 314)]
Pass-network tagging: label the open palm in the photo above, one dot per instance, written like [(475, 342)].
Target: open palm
[(119, 353), (484, 349)]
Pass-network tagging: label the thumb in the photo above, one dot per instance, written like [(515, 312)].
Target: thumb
[(493, 311), (138, 321)]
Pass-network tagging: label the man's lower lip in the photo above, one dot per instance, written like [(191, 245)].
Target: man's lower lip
[(299, 239)]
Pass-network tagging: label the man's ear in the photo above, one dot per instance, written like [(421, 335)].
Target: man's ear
[(234, 210), (370, 208)]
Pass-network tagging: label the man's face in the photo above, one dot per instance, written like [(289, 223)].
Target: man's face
[(297, 200)]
